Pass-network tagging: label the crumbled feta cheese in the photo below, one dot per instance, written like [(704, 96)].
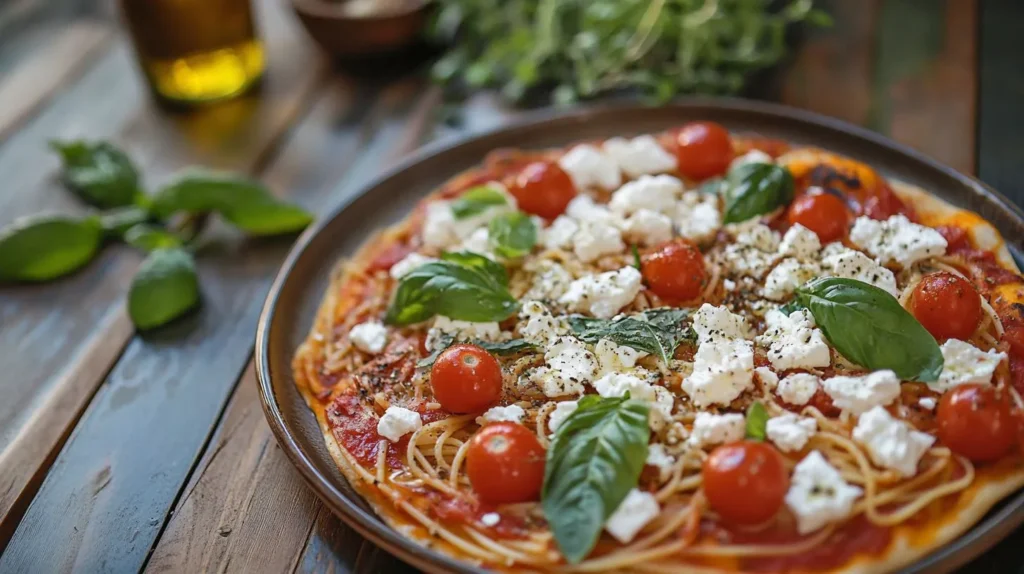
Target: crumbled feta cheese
[(511, 413), (461, 330), (790, 432), (818, 494), (964, 363), (891, 442), (897, 240), (635, 511), (656, 193), (478, 242), (752, 156), (660, 459), (541, 327), (710, 429), (441, 229), (746, 260), (616, 358), (757, 235), (490, 519), (561, 412), (596, 239), (369, 337), (582, 208), (722, 370), (550, 280), (697, 216), (928, 403), (589, 167), (729, 285), (713, 323), (785, 277), (767, 377), (569, 365), (559, 234), (398, 422), (793, 342), (798, 388), (860, 394), (640, 155), (646, 227), (408, 263), (604, 294), (800, 242), (660, 399), (839, 261)]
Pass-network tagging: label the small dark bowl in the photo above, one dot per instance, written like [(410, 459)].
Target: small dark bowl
[(342, 34)]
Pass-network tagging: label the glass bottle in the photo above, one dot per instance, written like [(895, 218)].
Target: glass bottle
[(195, 51)]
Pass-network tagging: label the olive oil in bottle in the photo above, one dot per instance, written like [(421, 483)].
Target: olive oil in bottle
[(195, 51)]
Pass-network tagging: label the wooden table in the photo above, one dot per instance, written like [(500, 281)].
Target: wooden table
[(123, 452)]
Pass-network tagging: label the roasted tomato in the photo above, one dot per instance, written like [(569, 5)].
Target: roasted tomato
[(675, 270), (745, 482), (505, 464), (542, 188), (947, 305), (703, 150), (466, 379), (975, 422), (823, 213)]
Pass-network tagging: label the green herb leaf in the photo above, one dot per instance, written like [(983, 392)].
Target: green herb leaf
[(636, 257), (462, 285), (510, 347), (246, 204), (476, 200), (99, 173), (755, 189), (655, 331), (869, 327), (165, 288), (790, 307), (45, 247), (594, 460), (757, 421), (150, 238), (118, 221), (512, 235)]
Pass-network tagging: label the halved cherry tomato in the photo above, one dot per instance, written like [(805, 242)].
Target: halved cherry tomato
[(823, 213), (976, 423), (466, 379), (745, 482), (505, 463), (703, 150), (675, 270), (947, 305), (542, 188)]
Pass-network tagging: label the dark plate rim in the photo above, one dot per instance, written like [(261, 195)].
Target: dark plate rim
[(981, 537)]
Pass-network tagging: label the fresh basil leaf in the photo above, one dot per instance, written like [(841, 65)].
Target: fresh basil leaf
[(512, 234), (655, 331), (510, 347), (757, 421), (869, 327), (165, 288), (116, 222), (476, 200), (463, 285), (99, 173), (45, 247), (246, 204), (150, 238), (755, 189), (636, 258), (790, 307), (594, 460)]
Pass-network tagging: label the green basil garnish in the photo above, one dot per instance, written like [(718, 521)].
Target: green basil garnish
[(594, 460), (150, 238), (510, 347), (655, 331), (116, 222), (99, 173), (757, 421), (476, 200), (462, 285), (636, 257), (512, 235), (45, 247), (165, 288), (869, 327), (754, 189)]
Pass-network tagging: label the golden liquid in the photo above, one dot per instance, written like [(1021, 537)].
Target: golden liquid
[(195, 51)]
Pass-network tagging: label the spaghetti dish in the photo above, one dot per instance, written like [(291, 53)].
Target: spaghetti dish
[(689, 351)]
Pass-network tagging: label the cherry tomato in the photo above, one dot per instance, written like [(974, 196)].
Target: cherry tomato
[(505, 463), (703, 150), (466, 379), (823, 213), (542, 188), (745, 482), (947, 305), (976, 423), (675, 270)]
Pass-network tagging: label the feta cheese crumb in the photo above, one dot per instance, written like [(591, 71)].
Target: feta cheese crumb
[(640, 155), (369, 337), (928, 403), (541, 327), (589, 167), (635, 511), (767, 377), (511, 413), (798, 388), (897, 240), (800, 242), (441, 230), (710, 429), (561, 412), (603, 295), (791, 432), (785, 277), (398, 422), (840, 261), (660, 459), (656, 193), (460, 330), (964, 363), (550, 280), (891, 442), (757, 235), (569, 365), (793, 341), (718, 323), (697, 216), (818, 494), (613, 357), (596, 239), (646, 227), (408, 263), (860, 394), (490, 519), (559, 234), (722, 370), (659, 398)]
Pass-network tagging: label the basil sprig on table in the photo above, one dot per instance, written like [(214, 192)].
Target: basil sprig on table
[(462, 285), (476, 200), (165, 287), (510, 347), (512, 235), (44, 247), (753, 189), (655, 331), (869, 327), (99, 173), (757, 422), (594, 460)]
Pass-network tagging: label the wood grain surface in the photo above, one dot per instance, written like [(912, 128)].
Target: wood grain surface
[(123, 453)]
